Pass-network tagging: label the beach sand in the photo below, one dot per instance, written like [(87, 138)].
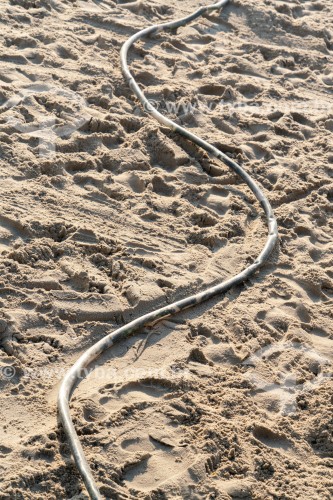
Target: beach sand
[(105, 216)]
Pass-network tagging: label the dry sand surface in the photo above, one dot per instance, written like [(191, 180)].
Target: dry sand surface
[(234, 398)]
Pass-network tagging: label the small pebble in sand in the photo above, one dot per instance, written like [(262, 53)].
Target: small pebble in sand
[(47, 349)]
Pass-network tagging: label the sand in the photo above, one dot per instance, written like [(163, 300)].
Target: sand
[(105, 216)]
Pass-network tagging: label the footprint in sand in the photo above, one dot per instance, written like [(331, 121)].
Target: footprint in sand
[(11, 230), (152, 451), (133, 393), (271, 438)]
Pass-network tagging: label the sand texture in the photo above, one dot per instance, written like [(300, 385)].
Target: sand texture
[(105, 216)]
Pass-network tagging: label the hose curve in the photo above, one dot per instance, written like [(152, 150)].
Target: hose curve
[(73, 375)]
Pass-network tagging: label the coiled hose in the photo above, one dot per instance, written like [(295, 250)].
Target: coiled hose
[(74, 374)]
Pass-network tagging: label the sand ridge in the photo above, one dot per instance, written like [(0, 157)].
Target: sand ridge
[(127, 217)]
